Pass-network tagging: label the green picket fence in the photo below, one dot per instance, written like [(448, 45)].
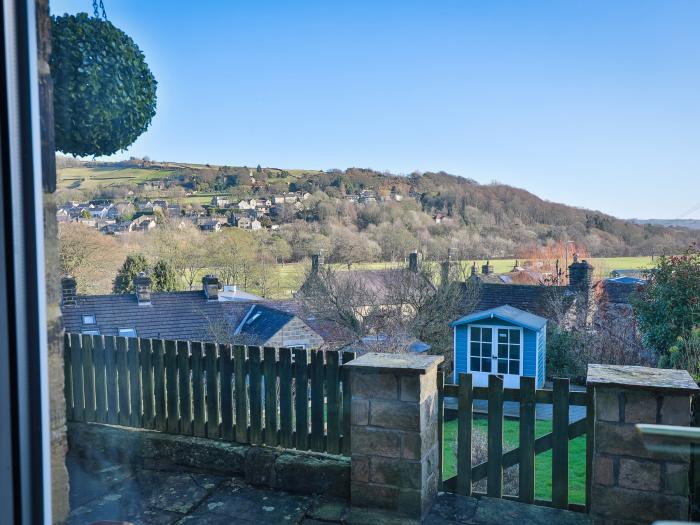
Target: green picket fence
[(560, 397), (245, 394)]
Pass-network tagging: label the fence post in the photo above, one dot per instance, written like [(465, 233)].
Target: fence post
[(639, 480), (394, 434)]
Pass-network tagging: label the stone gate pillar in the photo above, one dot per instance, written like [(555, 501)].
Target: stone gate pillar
[(637, 480), (394, 435)]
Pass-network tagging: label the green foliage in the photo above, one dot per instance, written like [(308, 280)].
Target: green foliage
[(685, 354), (85, 214), (566, 354), (133, 265), (669, 305), (164, 277), (104, 93)]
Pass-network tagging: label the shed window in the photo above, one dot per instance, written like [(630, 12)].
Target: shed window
[(127, 332), (494, 350), (89, 319)]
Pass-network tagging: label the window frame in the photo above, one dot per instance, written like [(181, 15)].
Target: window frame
[(131, 330), (494, 347), (94, 319)]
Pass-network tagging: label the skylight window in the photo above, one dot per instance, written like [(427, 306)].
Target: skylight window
[(89, 319), (250, 321), (127, 332)]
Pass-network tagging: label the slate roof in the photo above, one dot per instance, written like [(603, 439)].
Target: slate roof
[(505, 313), (536, 299), (186, 316)]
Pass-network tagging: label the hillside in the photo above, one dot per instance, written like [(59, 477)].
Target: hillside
[(367, 215), (690, 224)]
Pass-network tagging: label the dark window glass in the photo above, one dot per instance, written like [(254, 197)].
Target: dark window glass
[(514, 367), (503, 351), (502, 335), (486, 334), (502, 366), (486, 349), (474, 364), (476, 334), (515, 336), (486, 365), (475, 348), (515, 351)]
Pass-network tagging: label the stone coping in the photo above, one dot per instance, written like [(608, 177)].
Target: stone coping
[(641, 378), (396, 363)]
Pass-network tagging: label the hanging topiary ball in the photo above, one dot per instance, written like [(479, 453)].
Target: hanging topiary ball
[(104, 93)]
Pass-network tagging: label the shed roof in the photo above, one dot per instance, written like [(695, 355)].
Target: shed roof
[(505, 313)]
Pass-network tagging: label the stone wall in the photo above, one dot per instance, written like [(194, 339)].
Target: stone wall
[(293, 471), (295, 333), (636, 479), (394, 432)]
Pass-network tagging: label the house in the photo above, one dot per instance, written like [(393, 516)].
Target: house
[(219, 202), (255, 225), (504, 340), (243, 205), (206, 315), (211, 225)]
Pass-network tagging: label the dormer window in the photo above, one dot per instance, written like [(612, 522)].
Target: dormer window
[(89, 319)]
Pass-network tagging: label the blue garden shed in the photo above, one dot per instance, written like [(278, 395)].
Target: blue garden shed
[(505, 340)]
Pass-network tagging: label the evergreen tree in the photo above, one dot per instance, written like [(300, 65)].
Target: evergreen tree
[(133, 265), (164, 277)]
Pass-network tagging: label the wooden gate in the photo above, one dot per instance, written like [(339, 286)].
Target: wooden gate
[(560, 398)]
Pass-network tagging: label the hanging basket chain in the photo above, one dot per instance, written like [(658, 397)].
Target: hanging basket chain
[(97, 7)]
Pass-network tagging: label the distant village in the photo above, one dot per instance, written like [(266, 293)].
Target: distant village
[(116, 217)]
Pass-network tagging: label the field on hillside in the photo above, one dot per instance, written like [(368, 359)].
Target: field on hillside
[(92, 178)]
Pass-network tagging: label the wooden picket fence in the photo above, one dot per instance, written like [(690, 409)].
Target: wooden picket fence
[(272, 396), (561, 398)]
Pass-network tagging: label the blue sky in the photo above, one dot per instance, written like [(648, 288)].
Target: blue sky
[(590, 103)]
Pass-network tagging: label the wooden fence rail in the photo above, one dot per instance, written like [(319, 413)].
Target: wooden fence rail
[(273, 396), (560, 397)]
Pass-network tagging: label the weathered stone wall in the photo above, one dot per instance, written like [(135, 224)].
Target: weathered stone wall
[(394, 432), (295, 333), (634, 479), (289, 470)]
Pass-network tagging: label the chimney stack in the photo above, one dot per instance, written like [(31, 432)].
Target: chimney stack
[(69, 290), (580, 274), (413, 261), (210, 284), (473, 269), (445, 271), (316, 262), (142, 286), (487, 268)]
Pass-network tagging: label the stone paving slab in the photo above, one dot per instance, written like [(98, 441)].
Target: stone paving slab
[(149, 496)]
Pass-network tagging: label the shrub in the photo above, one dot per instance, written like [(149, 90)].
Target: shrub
[(566, 354), (685, 354)]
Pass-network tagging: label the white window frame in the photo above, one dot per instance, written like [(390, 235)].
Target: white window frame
[(494, 345), (89, 316), (90, 331)]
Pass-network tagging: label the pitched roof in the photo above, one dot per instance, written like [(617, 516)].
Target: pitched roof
[(184, 316), (536, 299), (505, 313)]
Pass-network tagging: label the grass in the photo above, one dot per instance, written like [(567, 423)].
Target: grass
[(543, 462), (93, 178)]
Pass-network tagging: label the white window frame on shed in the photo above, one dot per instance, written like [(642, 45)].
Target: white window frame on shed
[(481, 378)]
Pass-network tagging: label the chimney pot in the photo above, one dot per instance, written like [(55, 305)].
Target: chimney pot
[(487, 268), (142, 286), (69, 290), (413, 262), (210, 285), (316, 262)]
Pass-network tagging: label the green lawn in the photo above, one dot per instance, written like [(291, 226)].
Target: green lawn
[(92, 178), (543, 462)]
